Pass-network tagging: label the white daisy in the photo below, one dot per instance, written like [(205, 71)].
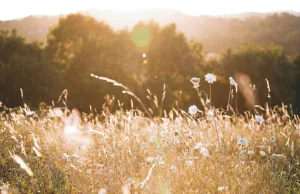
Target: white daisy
[(259, 119), (204, 151), (262, 153), (272, 139), (195, 81), (243, 141), (210, 78), (193, 109), (153, 139), (149, 159)]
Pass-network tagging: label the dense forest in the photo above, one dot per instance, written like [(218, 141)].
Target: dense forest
[(156, 61)]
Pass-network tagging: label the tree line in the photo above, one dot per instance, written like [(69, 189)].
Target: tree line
[(155, 62), (215, 33)]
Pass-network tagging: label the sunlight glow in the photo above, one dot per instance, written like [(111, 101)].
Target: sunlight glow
[(141, 36), (17, 8)]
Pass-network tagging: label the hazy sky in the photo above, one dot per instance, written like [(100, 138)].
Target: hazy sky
[(10, 9)]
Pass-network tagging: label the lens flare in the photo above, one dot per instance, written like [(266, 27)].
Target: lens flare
[(141, 36), (244, 83)]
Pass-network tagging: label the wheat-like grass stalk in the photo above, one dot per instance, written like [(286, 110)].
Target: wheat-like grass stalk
[(126, 91)]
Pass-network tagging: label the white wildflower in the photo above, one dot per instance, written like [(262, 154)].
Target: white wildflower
[(153, 139), (259, 119), (193, 109), (195, 81), (223, 189), (161, 163), (189, 163), (163, 133), (243, 141), (173, 168), (149, 159), (204, 151), (272, 139), (102, 191), (233, 82), (210, 78), (176, 141), (262, 153)]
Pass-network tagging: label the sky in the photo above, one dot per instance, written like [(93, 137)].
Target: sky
[(11, 9)]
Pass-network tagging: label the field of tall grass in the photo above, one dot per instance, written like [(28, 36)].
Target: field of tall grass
[(200, 150)]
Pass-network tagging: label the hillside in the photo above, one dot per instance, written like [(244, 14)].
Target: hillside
[(215, 33)]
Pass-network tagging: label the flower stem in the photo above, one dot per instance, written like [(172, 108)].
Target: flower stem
[(229, 98), (236, 103), (210, 93)]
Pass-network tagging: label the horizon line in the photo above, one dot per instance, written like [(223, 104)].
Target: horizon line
[(149, 9)]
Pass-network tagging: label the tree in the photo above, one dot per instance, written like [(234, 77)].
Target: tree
[(171, 60), (80, 45), (261, 63), (23, 65)]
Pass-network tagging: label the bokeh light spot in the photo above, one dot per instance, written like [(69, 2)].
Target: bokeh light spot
[(141, 36)]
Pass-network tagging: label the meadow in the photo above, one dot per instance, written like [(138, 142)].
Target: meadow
[(204, 149)]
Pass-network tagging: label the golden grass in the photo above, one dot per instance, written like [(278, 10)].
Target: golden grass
[(70, 152)]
